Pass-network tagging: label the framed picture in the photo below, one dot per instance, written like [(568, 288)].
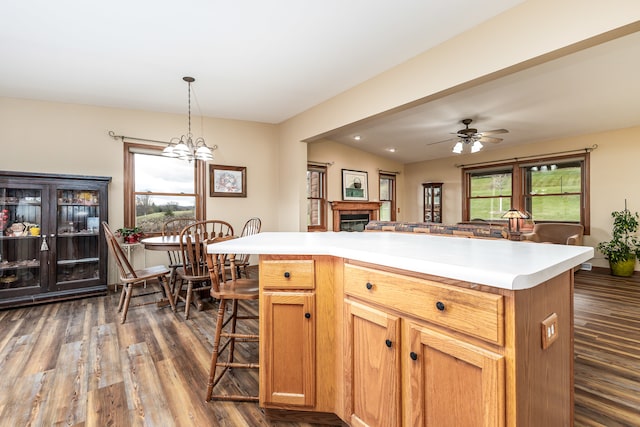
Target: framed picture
[(227, 181), (354, 185)]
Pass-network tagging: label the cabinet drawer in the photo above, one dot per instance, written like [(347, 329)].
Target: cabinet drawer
[(287, 274), (473, 312)]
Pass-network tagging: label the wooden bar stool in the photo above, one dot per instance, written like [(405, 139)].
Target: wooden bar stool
[(232, 291)]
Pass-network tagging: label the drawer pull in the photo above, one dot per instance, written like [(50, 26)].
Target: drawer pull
[(388, 343), (413, 356), (307, 315), (287, 274), (440, 306), (369, 285)]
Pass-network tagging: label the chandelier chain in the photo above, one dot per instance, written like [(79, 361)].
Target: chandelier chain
[(189, 103)]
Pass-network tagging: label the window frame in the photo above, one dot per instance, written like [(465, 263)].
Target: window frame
[(199, 171), (468, 173), (323, 200), (391, 177), (519, 185)]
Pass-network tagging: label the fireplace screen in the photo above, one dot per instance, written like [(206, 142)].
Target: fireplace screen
[(353, 222)]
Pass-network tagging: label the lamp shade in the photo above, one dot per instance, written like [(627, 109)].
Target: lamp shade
[(514, 213)]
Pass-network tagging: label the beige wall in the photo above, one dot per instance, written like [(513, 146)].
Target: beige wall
[(72, 139), (530, 30), (342, 157), (612, 178)]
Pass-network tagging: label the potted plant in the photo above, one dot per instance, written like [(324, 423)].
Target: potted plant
[(130, 235), (624, 248)]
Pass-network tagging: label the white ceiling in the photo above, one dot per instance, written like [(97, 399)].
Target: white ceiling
[(590, 91), (267, 61), (253, 60)]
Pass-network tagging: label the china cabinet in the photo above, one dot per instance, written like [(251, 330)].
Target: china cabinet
[(432, 201), (51, 243)]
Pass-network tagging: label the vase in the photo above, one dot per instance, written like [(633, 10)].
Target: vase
[(131, 239), (623, 268)]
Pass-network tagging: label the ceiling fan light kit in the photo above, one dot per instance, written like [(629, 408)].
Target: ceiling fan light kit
[(473, 138)]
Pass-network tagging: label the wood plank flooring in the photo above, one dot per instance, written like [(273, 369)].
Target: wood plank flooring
[(74, 364), (607, 350)]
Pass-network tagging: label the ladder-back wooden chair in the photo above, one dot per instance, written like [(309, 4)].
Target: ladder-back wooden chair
[(173, 227), (193, 271), (228, 288), (130, 278), (252, 226)]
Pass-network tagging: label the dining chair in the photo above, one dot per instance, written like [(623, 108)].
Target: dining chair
[(130, 278), (173, 227), (252, 226), (229, 288), (193, 271)]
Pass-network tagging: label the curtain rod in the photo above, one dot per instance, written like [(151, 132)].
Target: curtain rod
[(576, 151), (122, 138), (311, 162), (389, 172)]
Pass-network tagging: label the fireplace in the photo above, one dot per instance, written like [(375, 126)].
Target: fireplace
[(353, 222), (353, 216)]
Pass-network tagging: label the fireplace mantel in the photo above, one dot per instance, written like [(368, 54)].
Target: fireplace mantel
[(349, 207)]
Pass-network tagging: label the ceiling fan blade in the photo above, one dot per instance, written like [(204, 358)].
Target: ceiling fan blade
[(490, 139), (443, 141), (495, 131)]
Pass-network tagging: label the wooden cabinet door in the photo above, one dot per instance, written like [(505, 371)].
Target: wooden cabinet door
[(372, 366), (287, 348), (453, 383)]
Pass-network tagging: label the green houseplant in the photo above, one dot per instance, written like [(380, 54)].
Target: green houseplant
[(624, 248)]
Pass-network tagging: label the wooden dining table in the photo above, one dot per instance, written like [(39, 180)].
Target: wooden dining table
[(162, 243), (169, 243)]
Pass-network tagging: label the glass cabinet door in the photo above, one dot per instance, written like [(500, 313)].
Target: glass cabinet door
[(432, 201), (20, 242), (77, 237)]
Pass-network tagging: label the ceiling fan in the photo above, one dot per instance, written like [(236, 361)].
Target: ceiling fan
[(471, 136)]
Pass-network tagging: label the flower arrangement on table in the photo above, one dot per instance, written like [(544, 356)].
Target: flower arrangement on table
[(130, 235)]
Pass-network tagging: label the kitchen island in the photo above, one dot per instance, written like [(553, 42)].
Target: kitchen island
[(400, 329)]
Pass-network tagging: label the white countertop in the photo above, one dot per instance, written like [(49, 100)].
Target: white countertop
[(499, 263)]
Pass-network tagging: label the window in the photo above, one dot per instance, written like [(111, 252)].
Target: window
[(489, 193), (159, 188), (387, 197), (551, 189), (316, 198)]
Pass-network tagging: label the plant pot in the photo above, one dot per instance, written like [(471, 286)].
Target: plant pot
[(623, 268)]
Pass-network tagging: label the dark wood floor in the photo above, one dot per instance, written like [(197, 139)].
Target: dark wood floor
[(73, 364), (607, 350)]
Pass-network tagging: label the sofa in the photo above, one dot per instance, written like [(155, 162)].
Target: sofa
[(474, 230), (556, 232)]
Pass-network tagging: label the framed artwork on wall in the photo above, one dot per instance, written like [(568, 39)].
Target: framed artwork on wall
[(227, 181), (355, 185)]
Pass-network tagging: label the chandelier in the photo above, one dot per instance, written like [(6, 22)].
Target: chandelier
[(185, 147)]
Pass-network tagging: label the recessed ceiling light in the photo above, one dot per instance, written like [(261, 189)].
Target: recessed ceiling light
[(357, 137), (391, 150)]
